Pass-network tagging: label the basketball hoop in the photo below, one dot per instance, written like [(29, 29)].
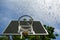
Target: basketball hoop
[(24, 29)]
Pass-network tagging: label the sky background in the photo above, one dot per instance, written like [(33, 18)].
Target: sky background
[(45, 11)]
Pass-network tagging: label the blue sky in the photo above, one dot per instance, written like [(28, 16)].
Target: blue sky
[(46, 11)]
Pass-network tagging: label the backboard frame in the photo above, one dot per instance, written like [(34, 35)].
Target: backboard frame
[(20, 34)]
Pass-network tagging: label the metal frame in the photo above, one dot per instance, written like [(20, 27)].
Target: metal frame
[(19, 27)]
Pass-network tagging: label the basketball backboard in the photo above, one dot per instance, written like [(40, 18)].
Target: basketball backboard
[(12, 28)]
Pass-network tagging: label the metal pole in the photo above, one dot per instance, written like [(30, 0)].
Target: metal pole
[(10, 37)]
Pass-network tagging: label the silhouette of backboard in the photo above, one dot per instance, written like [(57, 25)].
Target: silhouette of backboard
[(12, 28)]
